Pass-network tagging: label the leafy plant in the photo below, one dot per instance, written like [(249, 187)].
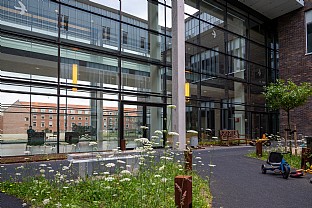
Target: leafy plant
[(147, 181), (287, 96), (151, 186)]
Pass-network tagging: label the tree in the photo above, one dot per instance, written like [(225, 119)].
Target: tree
[(287, 96)]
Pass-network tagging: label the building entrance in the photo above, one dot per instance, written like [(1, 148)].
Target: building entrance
[(141, 120)]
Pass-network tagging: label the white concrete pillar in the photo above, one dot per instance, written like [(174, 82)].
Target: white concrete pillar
[(178, 72)]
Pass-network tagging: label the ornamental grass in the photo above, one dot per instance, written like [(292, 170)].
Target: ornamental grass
[(147, 183)]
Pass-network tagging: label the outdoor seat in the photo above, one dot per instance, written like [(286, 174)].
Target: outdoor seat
[(275, 159)]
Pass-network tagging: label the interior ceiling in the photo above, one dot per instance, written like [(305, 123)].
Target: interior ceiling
[(273, 8)]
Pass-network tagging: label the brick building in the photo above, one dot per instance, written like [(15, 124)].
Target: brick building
[(295, 59), (42, 117), (1, 123)]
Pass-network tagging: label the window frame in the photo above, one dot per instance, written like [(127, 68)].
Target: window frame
[(142, 42), (124, 37)]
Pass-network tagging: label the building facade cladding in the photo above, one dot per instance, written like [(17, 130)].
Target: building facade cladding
[(295, 63), (107, 57)]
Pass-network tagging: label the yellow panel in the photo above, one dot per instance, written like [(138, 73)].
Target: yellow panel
[(75, 76), (187, 90)]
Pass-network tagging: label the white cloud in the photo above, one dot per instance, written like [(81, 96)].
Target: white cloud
[(137, 8)]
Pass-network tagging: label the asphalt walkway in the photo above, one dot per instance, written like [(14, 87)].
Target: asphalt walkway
[(237, 182)]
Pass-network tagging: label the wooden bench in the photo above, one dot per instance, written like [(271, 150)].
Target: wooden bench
[(231, 135)]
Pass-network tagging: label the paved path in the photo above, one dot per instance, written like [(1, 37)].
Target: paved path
[(237, 182), (7, 201)]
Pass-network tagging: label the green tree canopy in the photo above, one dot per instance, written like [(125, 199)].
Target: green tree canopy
[(287, 95)]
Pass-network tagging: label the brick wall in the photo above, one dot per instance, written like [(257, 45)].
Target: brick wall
[(1, 124), (294, 64), (16, 118)]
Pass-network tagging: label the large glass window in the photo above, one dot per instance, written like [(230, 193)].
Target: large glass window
[(78, 97), (227, 58), (308, 17), (109, 57)]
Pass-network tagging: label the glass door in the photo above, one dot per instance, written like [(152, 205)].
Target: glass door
[(141, 120)]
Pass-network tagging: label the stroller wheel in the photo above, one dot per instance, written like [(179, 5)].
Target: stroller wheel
[(286, 172), (263, 170), (310, 180)]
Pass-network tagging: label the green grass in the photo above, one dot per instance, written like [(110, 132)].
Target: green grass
[(151, 186), (293, 161)]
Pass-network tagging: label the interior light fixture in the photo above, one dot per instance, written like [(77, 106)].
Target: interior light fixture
[(187, 90), (75, 76)]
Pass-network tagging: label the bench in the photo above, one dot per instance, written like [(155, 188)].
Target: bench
[(231, 135)]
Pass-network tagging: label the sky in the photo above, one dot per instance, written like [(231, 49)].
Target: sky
[(136, 8), (139, 8)]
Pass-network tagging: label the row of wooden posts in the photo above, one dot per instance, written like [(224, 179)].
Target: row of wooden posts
[(288, 133), (305, 152)]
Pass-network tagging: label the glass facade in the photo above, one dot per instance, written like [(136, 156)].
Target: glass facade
[(230, 55), (75, 68)]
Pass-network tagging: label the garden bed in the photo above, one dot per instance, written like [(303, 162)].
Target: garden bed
[(32, 158)]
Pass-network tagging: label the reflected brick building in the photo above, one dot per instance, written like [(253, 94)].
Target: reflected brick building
[(43, 117)]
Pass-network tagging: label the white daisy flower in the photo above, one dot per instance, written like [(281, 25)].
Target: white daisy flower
[(158, 132), (46, 201), (173, 133), (192, 131), (172, 106), (110, 165), (125, 172), (109, 178), (125, 179)]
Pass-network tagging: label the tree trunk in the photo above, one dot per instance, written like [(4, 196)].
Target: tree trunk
[(288, 120), (288, 129)]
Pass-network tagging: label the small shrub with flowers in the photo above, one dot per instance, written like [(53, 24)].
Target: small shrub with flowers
[(148, 183)]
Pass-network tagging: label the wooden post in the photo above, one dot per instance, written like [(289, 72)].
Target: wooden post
[(286, 136), (188, 160), (259, 149), (183, 191), (295, 138), (122, 145), (305, 152)]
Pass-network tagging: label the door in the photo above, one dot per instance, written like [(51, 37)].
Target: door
[(141, 120)]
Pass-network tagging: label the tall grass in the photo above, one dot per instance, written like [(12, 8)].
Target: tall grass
[(150, 185)]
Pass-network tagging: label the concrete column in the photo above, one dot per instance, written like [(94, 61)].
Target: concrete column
[(178, 71), (155, 75), (238, 48), (217, 113), (97, 114), (239, 98)]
